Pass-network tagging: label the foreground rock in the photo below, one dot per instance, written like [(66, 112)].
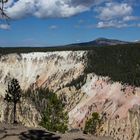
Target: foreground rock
[(18, 132)]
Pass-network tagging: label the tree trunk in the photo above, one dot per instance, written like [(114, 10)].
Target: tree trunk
[(15, 106)]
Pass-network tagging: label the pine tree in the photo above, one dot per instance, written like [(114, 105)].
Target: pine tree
[(13, 95), (54, 117)]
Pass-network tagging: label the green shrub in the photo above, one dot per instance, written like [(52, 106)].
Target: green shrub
[(51, 107), (54, 117), (92, 123)]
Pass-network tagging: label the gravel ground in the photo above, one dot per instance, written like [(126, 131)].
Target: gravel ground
[(18, 132)]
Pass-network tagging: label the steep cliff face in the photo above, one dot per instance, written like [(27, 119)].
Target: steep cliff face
[(64, 73), (116, 105), (42, 68)]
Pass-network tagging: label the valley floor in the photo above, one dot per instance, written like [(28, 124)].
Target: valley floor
[(18, 132)]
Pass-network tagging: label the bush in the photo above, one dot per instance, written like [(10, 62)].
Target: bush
[(92, 123), (54, 117)]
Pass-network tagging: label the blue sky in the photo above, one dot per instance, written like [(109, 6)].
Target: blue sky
[(59, 22)]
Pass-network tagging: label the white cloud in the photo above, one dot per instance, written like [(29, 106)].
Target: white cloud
[(114, 10), (116, 15), (21, 9), (81, 21), (53, 27), (50, 8), (78, 40), (4, 26), (131, 18), (8, 3), (110, 14), (112, 24)]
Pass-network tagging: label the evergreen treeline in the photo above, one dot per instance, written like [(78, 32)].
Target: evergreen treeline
[(121, 63), (72, 47)]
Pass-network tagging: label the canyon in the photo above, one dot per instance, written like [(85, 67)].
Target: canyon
[(65, 72)]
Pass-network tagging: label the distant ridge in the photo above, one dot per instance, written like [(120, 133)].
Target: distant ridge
[(102, 42), (99, 42)]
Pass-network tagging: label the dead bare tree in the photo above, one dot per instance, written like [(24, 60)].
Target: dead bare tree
[(2, 11)]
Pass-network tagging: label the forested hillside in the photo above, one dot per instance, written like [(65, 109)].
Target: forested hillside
[(121, 63)]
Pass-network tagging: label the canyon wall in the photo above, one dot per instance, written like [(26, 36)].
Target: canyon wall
[(64, 72)]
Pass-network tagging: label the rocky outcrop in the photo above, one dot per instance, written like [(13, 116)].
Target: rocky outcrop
[(85, 93), (127, 128)]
